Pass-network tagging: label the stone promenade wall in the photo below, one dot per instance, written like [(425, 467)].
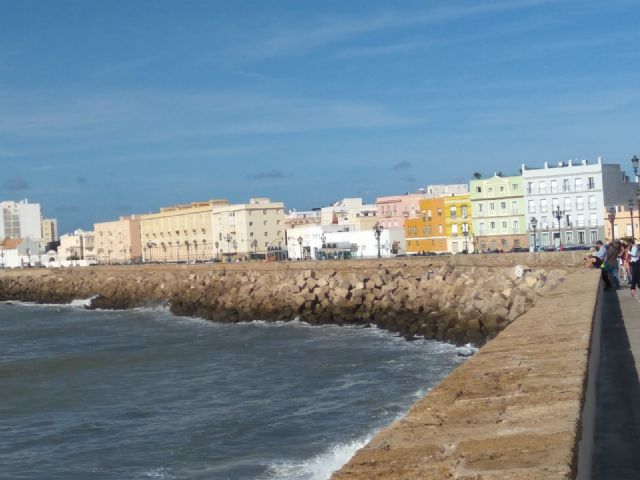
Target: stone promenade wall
[(511, 412), (462, 298)]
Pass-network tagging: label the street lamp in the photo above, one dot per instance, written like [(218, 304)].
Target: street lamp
[(254, 244), (465, 232), (634, 164), (558, 214), (377, 231), (300, 240), (228, 239), (612, 219), (534, 225)]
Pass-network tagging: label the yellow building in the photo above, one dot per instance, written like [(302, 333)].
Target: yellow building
[(427, 232), (457, 215), (179, 233)]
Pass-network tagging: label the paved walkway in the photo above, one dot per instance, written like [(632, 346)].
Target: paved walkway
[(617, 430)]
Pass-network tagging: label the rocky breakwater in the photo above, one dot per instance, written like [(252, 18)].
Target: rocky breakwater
[(444, 302)]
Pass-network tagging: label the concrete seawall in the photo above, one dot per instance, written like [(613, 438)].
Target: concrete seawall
[(517, 410), (464, 298)]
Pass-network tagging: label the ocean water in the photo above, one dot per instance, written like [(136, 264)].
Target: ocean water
[(143, 394)]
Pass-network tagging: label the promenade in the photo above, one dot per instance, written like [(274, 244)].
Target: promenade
[(617, 429)]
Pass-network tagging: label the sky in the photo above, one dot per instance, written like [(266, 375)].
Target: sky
[(120, 107)]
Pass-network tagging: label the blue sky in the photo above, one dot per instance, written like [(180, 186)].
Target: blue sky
[(109, 108)]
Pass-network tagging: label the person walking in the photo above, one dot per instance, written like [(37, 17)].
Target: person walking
[(634, 262)]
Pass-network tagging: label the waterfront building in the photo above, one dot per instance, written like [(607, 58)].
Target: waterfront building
[(77, 246), (246, 229), (393, 210), (581, 192), (295, 218), (436, 191), (498, 215), (180, 233), (349, 211), (318, 242), (49, 227), (18, 252), (622, 222), (458, 225), (20, 220), (426, 233), (118, 241)]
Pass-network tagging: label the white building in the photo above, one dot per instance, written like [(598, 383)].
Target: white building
[(315, 242), (77, 247), (243, 229), (579, 191), (350, 211), (437, 191), (20, 220), (18, 252)]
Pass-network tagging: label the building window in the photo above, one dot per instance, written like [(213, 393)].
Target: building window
[(532, 206), (578, 184), (555, 204), (592, 202), (543, 205), (567, 203), (266, 234), (492, 225), (591, 184), (516, 226), (439, 212), (454, 230), (440, 229), (501, 189), (503, 206), (480, 208), (554, 186), (581, 220), (454, 212), (464, 211), (565, 185), (542, 187), (581, 238), (479, 189), (529, 188), (481, 228), (592, 219), (492, 206), (514, 186), (594, 236), (504, 226), (579, 203)]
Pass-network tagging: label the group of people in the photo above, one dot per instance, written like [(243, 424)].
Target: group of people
[(619, 262)]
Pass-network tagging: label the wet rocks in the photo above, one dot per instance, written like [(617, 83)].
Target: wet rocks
[(452, 303)]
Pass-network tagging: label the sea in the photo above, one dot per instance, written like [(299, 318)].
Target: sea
[(143, 394)]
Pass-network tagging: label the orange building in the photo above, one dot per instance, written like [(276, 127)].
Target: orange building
[(427, 232)]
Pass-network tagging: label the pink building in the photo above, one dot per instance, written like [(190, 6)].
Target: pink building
[(392, 211)]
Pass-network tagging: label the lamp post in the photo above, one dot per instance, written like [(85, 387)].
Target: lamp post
[(558, 214), (612, 219), (254, 244), (465, 232), (534, 226), (377, 231), (300, 240), (228, 239)]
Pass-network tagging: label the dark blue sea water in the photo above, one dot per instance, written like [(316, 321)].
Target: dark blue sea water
[(143, 394)]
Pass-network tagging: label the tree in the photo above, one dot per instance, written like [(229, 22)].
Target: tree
[(477, 175)]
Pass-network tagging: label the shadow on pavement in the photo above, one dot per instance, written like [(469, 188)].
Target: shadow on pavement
[(616, 453)]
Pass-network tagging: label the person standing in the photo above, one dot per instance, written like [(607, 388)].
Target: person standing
[(634, 262), (600, 255)]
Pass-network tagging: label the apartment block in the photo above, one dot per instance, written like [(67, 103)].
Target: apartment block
[(427, 232), (458, 225), (181, 233), (118, 241), (498, 219), (243, 229), (569, 200)]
